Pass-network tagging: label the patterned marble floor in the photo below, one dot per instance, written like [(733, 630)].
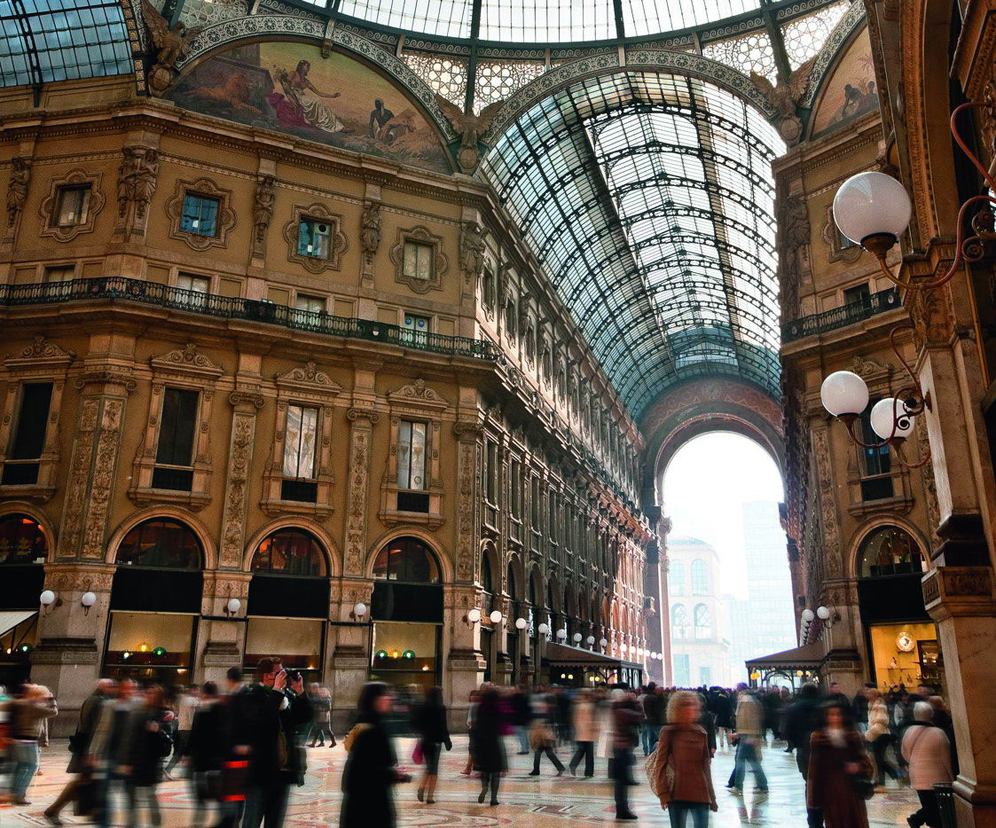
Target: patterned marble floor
[(535, 802)]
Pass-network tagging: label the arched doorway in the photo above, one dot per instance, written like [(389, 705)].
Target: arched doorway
[(155, 602), (23, 550), (288, 602), (902, 640), (407, 614)]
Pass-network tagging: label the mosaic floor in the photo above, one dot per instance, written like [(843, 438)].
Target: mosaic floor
[(536, 802)]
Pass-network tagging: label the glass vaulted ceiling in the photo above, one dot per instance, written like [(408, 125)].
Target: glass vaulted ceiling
[(544, 21), (648, 200)]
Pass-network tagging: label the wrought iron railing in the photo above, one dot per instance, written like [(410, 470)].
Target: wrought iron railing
[(831, 320), (225, 307)]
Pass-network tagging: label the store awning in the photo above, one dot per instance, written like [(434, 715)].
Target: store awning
[(808, 656), (563, 654), (11, 618)]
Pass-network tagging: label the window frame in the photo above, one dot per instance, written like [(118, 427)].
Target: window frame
[(419, 234), (315, 212), (50, 207), (204, 188)]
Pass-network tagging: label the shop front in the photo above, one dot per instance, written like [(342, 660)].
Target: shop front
[(575, 667), (23, 550)]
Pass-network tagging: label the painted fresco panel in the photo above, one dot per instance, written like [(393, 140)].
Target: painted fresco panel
[(851, 91), (336, 100)]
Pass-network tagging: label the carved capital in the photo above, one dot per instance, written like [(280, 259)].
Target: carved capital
[(357, 413)]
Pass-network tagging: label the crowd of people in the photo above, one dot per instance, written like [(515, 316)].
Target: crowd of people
[(243, 747)]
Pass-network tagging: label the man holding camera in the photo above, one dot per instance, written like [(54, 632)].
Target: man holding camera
[(267, 718)]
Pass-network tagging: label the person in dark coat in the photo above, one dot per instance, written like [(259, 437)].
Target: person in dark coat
[(626, 719), (268, 717), (522, 715), (205, 750), (79, 747), (149, 746), (802, 720), (429, 724), (837, 759), (371, 767), (722, 709), (489, 748)]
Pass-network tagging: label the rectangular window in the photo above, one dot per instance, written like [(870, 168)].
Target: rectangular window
[(534, 497), (60, 273), (200, 215), (418, 260), (176, 427), (21, 469), (416, 328), (516, 503), (74, 202), (877, 484), (412, 440), (300, 440), (857, 294), (552, 500), (311, 304), (313, 238), (491, 472), (199, 287)]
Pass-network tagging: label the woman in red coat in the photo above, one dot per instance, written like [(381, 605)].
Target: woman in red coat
[(839, 771)]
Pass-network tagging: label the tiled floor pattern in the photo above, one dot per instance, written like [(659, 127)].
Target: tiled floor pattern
[(530, 802)]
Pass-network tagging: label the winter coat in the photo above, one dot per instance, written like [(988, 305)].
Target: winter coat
[(686, 749), (489, 747), (27, 717), (79, 743), (585, 721), (878, 720), (367, 779), (149, 745), (928, 752), (268, 721), (207, 746), (749, 716), (429, 722), (830, 787)]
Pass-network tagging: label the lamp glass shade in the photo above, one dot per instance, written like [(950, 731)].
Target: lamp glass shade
[(561, 634), (495, 616), (88, 599), (823, 613), (871, 203), (47, 598), (521, 623), (807, 615), (844, 392), (890, 419), (590, 640), (234, 604), (360, 610), (577, 637), (474, 615), (604, 642), (543, 629)]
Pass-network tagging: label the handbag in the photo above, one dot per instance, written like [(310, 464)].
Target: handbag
[(660, 771), (418, 755), (863, 786)]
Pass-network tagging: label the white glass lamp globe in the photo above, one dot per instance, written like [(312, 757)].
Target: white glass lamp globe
[(807, 615), (604, 643), (822, 613), (474, 615), (543, 629), (360, 610), (561, 634), (844, 393), (47, 598), (871, 204), (88, 599), (234, 604), (590, 640), (577, 637), (495, 616), (520, 623), (888, 412)]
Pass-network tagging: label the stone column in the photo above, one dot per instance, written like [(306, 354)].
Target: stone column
[(246, 404), (221, 636), (349, 646)]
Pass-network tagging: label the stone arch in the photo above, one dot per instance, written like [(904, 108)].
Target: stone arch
[(489, 550), (701, 406), (865, 529), (173, 512), (227, 34), (536, 579), (442, 558), (554, 594), (637, 60), (333, 562), (23, 507), (517, 572)]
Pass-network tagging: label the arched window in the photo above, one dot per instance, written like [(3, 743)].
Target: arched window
[(889, 550), (21, 541), (289, 552), (487, 583), (703, 621), (163, 543), (679, 621), (700, 577), (408, 560), (676, 578)]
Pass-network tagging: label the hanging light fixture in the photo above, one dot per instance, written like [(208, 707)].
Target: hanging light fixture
[(521, 623)]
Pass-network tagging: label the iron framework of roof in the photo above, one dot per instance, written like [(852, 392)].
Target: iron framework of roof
[(649, 203)]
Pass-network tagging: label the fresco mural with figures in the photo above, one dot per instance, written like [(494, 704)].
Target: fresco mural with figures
[(336, 100), (851, 90)]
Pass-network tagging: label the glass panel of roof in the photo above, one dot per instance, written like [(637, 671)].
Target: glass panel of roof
[(648, 200), (804, 37), (543, 21), (54, 40), (446, 18), (647, 17)]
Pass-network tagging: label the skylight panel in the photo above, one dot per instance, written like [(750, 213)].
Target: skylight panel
[(446, 18)]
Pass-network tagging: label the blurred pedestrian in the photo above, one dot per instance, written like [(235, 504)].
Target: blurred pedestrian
[(839, 770), (111, 743), (489, 747), (371, 766), (521, 717), (28, 711), (543, 734), (879, 736), (205, 750), (626, 720), (684, 748), (585, 724), (750, 727), (321, 704), (186, 704), (149, 745), (429, 724), (928, 751)]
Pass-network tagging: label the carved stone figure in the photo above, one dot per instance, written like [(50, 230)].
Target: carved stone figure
[(262, 212), (784, 96), (171, 45), (792, 243), (471, 251), (137, 178), (17, 188), (469, 127), (370, 229)]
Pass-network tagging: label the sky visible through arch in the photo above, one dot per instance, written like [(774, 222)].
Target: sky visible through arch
[(705, 485)]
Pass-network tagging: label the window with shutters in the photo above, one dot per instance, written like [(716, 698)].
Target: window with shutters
[(174, 453), (418, 259), (28, 443), (73, 205)]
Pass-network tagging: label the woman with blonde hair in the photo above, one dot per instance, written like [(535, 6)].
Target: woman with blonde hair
[(879, 736), (683, 763)]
